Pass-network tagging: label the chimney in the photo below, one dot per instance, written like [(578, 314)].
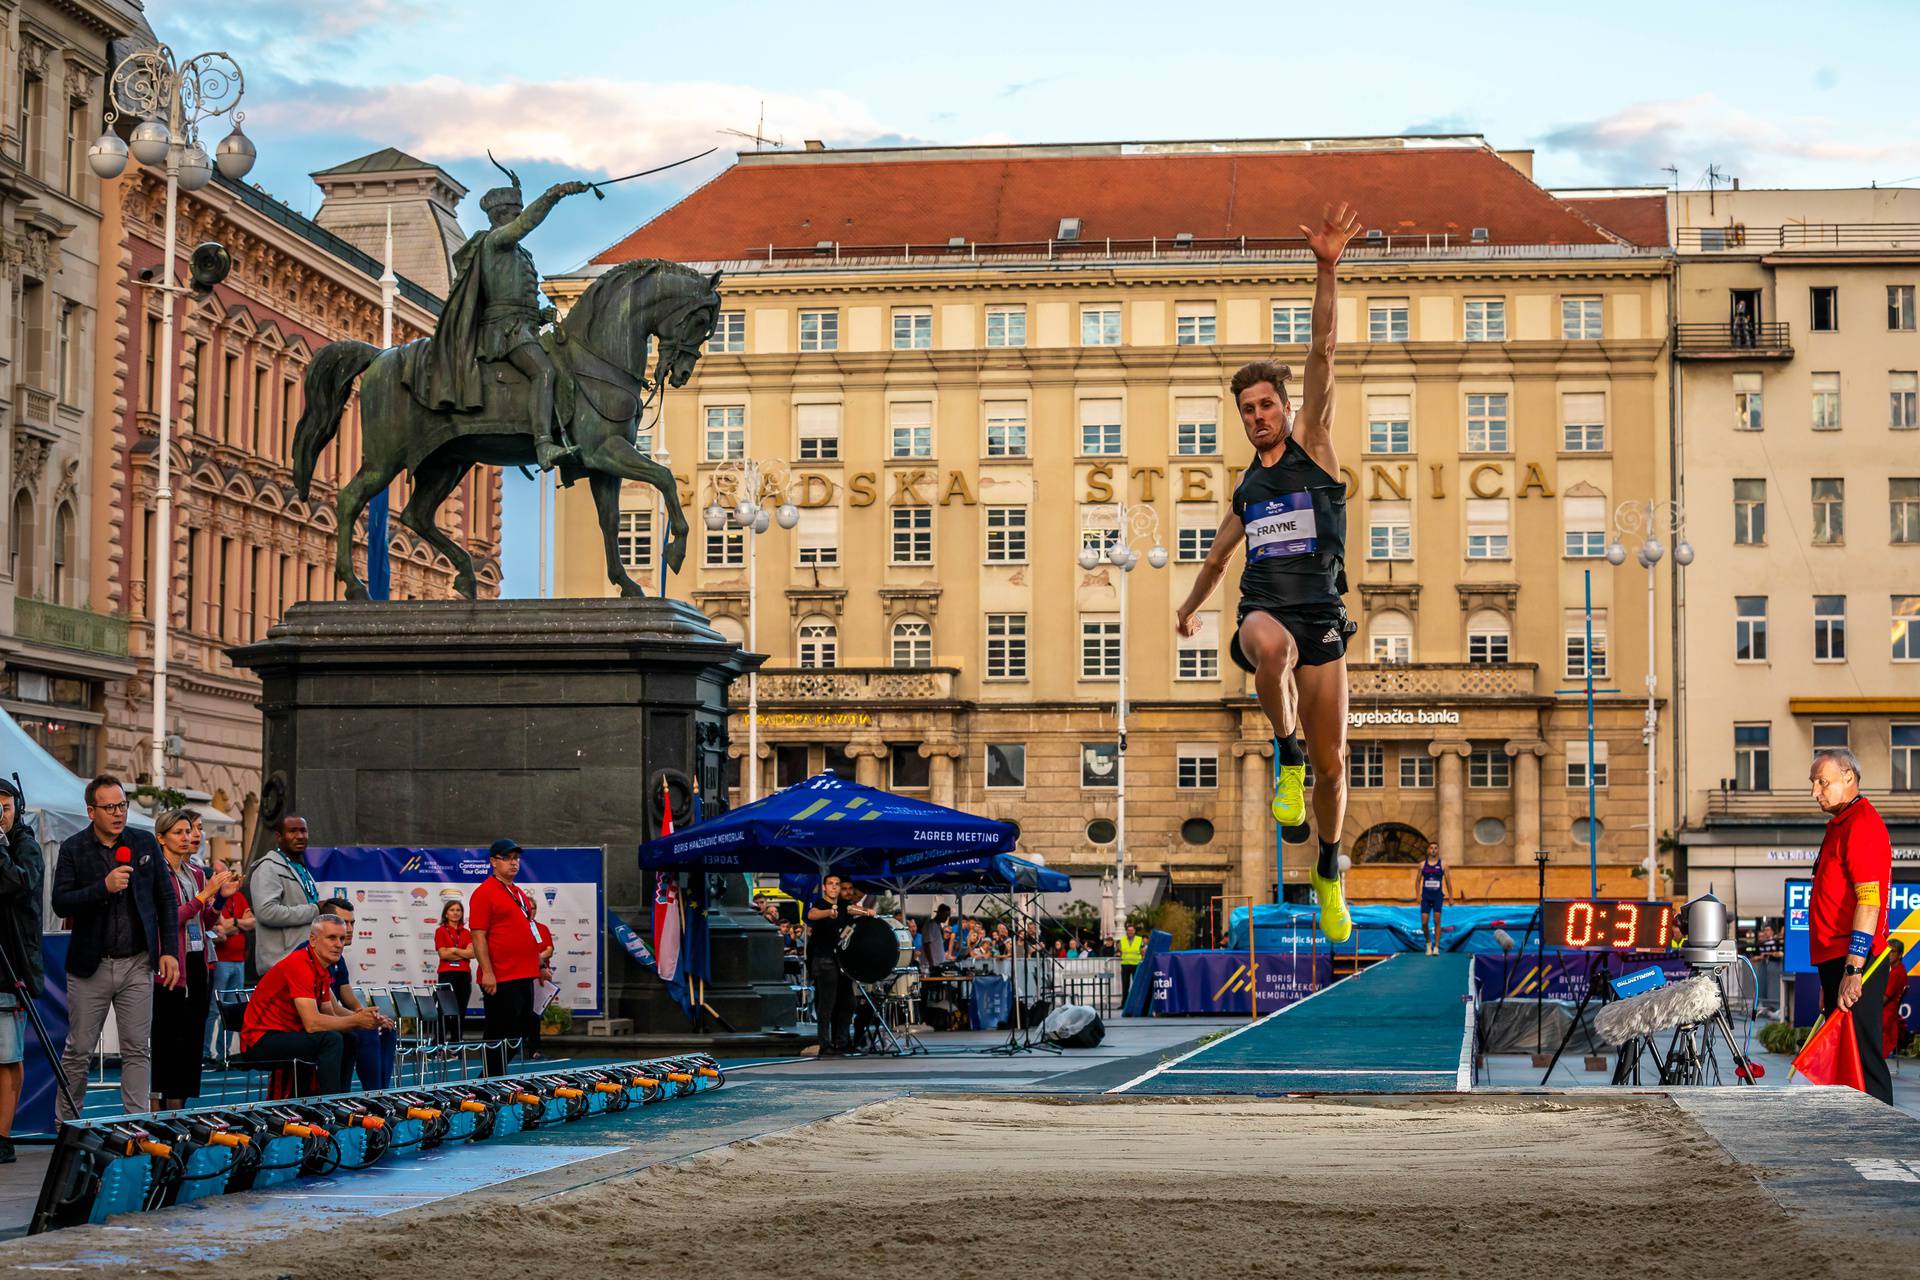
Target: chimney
[(814, 144), (1521, 160)]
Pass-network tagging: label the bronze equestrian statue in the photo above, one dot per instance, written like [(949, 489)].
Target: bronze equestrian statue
[(491, 388)]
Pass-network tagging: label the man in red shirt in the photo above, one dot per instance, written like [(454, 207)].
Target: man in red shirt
[(507, 947), (293, 1012), (1847, 917)]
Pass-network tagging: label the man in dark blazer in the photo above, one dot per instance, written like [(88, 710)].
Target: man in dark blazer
[(113, 885)]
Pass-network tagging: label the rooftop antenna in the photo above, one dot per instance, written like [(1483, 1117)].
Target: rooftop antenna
[(759, 135), (1714, 178), (1673, 172)]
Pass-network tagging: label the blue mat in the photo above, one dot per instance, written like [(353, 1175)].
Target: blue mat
[(1402, 1026)]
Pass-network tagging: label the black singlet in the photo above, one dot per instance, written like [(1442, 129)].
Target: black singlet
[(1296, 521)]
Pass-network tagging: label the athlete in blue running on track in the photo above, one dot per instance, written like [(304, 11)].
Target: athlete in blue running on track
[(1291, 508)]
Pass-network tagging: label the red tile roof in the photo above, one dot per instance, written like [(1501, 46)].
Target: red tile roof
[(1640, 220), (1017, 197)]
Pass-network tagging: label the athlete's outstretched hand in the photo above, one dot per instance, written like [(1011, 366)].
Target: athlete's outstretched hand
[(1337, 227)]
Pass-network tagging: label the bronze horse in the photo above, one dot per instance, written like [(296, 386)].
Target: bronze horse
[(601, 347)]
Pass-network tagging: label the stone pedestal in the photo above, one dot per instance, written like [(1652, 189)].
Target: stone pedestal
[(442, 722)]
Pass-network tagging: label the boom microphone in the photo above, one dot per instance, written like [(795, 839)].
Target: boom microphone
[(1662, 1009), (1504, 938)]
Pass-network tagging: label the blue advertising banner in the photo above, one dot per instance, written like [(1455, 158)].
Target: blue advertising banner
[(1225, 981), (1903, 920), (400, 894), (1561, 975)]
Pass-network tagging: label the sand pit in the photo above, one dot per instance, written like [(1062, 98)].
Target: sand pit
[(1211, 1189)]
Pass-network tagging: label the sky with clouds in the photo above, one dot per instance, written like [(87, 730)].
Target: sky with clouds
[(1772, 93)]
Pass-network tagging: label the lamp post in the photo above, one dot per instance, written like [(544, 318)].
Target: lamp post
[(1133, 522), (1645, 522), (173, 98), (748, 481)]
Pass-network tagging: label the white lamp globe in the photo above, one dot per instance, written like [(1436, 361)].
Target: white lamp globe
[(762, 520), (1683, 553), (107, 157), (1089, 559), (1157, 556), (196, 169), (1654, 550), (1616, 554), (788, 515), (1117, 552), (744, 511), (1131, 563), (715, 516), (235, 154), (150, 142)]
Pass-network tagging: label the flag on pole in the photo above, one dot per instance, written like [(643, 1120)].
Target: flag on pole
[(667, 923), (1832, 1053)]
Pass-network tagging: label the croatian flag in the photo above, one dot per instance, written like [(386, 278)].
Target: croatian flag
[(666, 921)]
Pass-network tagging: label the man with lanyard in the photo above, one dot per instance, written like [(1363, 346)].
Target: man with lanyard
[(507, 947), (1436, 886), (1133, 948), (1847, 913), (285, 899), (827, 916), (1291, 509)]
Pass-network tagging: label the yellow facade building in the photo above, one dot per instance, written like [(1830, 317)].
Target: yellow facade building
[(954, 361)]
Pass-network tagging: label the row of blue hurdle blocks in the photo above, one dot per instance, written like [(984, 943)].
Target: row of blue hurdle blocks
[(128, 1164)]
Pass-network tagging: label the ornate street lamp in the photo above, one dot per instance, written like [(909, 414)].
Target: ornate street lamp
[(748, 480)]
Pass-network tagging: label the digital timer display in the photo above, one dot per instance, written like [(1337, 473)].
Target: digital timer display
[(1606, 924)]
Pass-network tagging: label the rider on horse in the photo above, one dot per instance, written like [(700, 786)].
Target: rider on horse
[(493, 312)]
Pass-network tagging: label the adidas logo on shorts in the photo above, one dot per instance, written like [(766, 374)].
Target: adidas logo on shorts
[(1332, 636)]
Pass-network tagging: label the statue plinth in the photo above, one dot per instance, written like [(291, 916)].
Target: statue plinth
[(455, 722)]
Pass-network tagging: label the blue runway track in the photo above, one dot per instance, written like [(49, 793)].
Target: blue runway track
[(1404, 1025)]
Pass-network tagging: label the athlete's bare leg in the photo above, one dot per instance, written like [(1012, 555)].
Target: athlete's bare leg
[(1323, 714), (1271, 649)]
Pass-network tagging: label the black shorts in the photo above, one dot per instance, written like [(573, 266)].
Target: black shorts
[(1320, 633)]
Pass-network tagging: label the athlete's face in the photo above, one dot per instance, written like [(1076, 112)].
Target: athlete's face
[(1267, 415)]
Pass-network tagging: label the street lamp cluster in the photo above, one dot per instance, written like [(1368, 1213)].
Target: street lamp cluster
[(748, 481), (172, 98)]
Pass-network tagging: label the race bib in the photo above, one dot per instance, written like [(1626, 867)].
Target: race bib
[(1433, 883), (1281, 526)]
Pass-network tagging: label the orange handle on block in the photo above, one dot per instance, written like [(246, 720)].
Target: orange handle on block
[(564, 1092), (292, 1130), (679, 1077), (529, 1098), (370, 1122), (228, 1139), (158, 1150), (645, 1082), (471, 1105), (708, 1072), (423, 1113), (603, 1087)]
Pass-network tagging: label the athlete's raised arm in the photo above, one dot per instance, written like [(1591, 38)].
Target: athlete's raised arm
[(1211, 570), (1314, 427)]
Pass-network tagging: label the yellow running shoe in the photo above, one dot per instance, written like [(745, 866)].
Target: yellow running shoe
[(1335, 922), (1290, 795)]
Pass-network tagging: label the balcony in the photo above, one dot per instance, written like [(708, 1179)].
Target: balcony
[(1852, 237), (33, 407), (1772, 340), (1442, 680), (69, 628), (864, 685), (1773, 806)]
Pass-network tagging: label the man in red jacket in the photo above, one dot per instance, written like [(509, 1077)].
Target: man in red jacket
[(1847, 919)]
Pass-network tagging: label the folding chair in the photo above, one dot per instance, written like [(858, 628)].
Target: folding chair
[(282, 1078), (453, 1038), (399, 1006), (434, 1030)]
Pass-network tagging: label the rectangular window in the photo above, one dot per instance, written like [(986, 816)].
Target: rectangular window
[(1389, 424), (726, 548), (1488, 529), (288, 415), (1747, 402), (1194, 538), (1390, 530), (817, 537), (257, 414), (910, 770), (1489, 768), (1900, 308), (726, 432), (1750, 513), (1829, 512), (76, 152), (1006, 535), (817, 644), (1100, 427), (1006, 646), (1196, 426), (1100, 326), (1366, 766), (819, 330), (1577, 766), (1829, 628), (1486, 320), (1196, 769), (1006, 428), (1583, 422), (1824, 309), (1576, 635), (1006, 767), (1826, 402), (1193, 324), (1904, 747), (230, 400), (912, 535), (818, 426), (1292, 323), (1831, 734), (1749, 628), (729, 333), (1391, 648), (1903, 510), (1487, 423), (33, 106), (1586, 527), (1387, 320), (223, 604), (1753, 757), (1580, 319), (1906, 628), (1489, 648), (635, 540), (1416, 769), (912, 328), (1099, 647), (1198, 657), (1006, 326), (911, 429), (1903, 389)]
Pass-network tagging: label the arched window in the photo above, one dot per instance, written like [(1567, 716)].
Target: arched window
[(819, 642), (63, 556), (1390, 638), (20, 544), (912, 643), (1489, 638)]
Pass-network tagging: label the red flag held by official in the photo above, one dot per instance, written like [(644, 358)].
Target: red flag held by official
[(1832, 1054)]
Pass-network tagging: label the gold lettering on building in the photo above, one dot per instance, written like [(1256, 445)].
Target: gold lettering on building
[(816, 490), (1500, 487), (1352, 482), (1145, 476), (1535, 479), (1439, 471), (1196, 484), (1100, 483), (957, 487), (860, 489), (906, 489), (1378, 474)]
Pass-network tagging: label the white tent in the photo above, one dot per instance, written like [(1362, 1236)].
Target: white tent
[(56, 798)]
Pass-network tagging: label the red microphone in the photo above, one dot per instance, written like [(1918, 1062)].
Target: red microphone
[(123, 855)]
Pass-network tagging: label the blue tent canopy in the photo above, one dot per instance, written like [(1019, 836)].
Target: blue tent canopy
[(964, 873), (828, 824)]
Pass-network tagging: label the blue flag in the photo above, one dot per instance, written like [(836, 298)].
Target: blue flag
[(379, 558), (634, 945)]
